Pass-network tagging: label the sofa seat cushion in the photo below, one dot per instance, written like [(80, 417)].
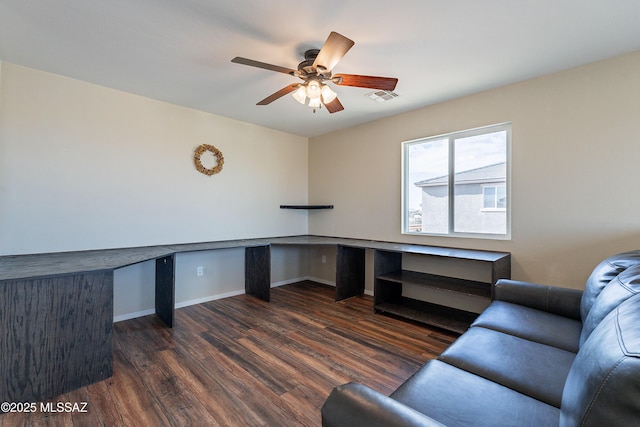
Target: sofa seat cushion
[(531, 324), (534, 369), (455, 397)]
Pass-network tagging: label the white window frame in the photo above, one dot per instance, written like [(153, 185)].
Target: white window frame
[(451, 137)]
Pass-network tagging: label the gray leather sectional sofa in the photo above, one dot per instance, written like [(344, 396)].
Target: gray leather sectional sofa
[(537, 356)]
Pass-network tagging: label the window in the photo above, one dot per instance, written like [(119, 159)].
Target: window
[(494, 197), (458, 184)]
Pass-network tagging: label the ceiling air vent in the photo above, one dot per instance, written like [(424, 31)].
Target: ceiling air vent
[(382, 95)]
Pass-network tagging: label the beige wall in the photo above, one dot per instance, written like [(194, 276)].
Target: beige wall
[(575, 156), (87, 167), (82, 167)]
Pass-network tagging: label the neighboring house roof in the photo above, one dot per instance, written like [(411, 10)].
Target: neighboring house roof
[(491, 173)]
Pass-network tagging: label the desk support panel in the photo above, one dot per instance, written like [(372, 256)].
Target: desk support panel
[(350, 271), (257, 271), (55, 334), (165, 288)]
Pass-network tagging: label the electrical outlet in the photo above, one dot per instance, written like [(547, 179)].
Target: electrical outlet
[(200, 270), (324, 259)]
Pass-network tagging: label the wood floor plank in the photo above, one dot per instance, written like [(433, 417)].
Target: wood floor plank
[(241, 361)]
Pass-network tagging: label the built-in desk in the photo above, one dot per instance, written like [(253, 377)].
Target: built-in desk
[(56, 309)]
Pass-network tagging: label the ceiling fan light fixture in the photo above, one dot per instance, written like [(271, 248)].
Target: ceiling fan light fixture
[(300, 94), (328, 94), (314, 90), (314, 103)]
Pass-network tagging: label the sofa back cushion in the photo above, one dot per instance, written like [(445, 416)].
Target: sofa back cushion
[(602, 275), (622, 287), (603, 385)]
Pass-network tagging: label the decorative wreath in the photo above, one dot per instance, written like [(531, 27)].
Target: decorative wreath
[(217, 154)]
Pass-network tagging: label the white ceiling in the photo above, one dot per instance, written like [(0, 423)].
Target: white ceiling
[(179, 51)]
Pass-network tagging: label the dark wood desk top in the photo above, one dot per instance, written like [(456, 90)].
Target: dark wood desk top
[(56, 263), (49, 264)]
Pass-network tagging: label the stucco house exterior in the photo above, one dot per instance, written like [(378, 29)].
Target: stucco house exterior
[(480, 201)]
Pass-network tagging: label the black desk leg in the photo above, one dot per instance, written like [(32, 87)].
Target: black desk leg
[(257, 272), (165, 288), (350, 271)]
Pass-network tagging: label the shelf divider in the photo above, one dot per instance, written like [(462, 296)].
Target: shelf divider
[(451, 284)]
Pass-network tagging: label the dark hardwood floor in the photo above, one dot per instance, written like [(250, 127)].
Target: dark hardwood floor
[(243, 362)]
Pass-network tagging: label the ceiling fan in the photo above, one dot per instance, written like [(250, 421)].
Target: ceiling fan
[(315, 73)]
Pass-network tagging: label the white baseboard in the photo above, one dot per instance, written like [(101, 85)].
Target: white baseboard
[(129, 316), (209, 298), (314, 279), (300, 279)]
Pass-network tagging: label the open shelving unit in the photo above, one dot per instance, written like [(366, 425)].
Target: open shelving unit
[(390, 277)]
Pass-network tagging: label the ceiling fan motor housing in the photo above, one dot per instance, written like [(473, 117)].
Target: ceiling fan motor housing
[(306, 67), (311, 54)]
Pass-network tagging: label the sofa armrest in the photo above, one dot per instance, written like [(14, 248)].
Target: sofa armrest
[(562, 301), (355, 404)]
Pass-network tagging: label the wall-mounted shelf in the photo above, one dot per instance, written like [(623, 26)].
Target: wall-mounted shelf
[(306, 206)]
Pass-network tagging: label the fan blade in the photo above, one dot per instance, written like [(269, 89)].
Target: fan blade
[(332, 51), (263, 65), (279, 94), (371, 82), (334, 106)]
